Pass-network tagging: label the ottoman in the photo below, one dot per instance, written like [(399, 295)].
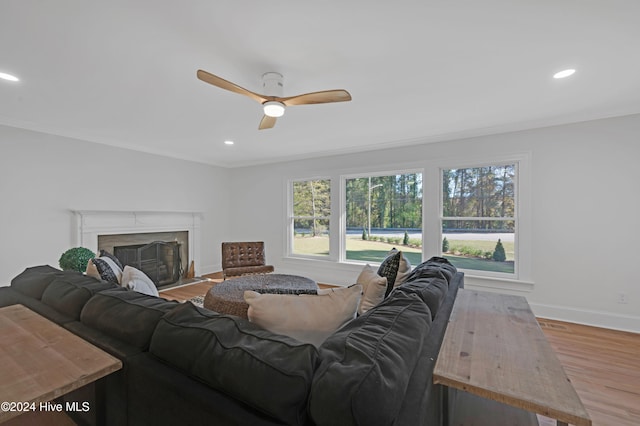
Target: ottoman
[(227, 297)]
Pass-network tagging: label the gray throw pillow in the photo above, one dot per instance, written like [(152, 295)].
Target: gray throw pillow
[(389, 268)]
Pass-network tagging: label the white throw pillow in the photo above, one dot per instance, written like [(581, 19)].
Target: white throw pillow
[(103, 268), (404, 269), (136, 280), (306, 317), (374, 287)]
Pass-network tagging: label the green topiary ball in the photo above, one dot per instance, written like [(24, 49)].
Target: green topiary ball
[(76, 259)]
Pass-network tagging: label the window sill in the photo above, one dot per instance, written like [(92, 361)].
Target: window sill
[(338, 271), (495, 283)]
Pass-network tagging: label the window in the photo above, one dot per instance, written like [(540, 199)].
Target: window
[(478, 218), (382, 212), (310, 219), (476, 212)]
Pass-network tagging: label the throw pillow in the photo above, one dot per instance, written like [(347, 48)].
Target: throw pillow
[(136, 280), (104, 253), (389, 268), (374, 288), (105, 269), (307, 318), (404, 269)]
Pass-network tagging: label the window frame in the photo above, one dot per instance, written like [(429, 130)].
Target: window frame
[(342, 256), (431, 169), (291, 218), (522, 236)]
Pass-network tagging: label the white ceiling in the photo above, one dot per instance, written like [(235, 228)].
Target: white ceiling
[(123, 72)]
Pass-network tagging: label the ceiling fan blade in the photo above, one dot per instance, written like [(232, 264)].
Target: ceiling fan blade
[(324, 97), (227, 85), (267, 122)]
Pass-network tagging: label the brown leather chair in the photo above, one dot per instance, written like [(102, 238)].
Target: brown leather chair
[(244, 258)]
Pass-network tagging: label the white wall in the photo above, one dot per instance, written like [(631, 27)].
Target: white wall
[(584, 215), (44, 177), (585, 204)]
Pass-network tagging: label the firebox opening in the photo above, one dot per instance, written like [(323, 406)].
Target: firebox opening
[(159, 260), (162, 256)]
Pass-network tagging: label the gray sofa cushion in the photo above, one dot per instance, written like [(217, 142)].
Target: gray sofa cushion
[(8, 296), (434, 264), (126, 315), (162, 395), (69, 294), (32, 281), (269, 372), (431, 286), (423, 402), (112, 345), (366, 366)]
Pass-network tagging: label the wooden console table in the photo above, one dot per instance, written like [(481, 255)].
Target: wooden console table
[(41, 361), (495, 349)]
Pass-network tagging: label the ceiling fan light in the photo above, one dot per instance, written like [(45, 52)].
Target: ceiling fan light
[(273, 108)]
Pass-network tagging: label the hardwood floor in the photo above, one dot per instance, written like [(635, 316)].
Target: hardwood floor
[(602, 364), (187, 292), (604, 367)]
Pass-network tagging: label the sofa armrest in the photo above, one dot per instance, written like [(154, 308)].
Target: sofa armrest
[(366, 366)]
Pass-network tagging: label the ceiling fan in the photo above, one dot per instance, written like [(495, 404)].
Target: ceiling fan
[(273, 103)]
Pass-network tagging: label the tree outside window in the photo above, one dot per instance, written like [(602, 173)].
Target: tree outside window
[(311, 217), (382, 212), (479, 218)]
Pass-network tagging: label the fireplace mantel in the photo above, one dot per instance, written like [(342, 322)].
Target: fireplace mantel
[(92, 223)]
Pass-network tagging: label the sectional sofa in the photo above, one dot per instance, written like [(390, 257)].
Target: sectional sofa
[(191, 366)]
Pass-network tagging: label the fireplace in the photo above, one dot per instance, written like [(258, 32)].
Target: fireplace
[(162, 256), (159, 260), (177, 233)]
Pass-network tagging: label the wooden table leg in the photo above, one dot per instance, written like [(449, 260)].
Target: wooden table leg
[(445, 405)]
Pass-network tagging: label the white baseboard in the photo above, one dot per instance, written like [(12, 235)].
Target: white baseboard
[(588, 317)]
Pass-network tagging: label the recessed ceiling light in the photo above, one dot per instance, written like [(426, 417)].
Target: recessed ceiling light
[(564, 73), (228, 142), (8, 77)]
